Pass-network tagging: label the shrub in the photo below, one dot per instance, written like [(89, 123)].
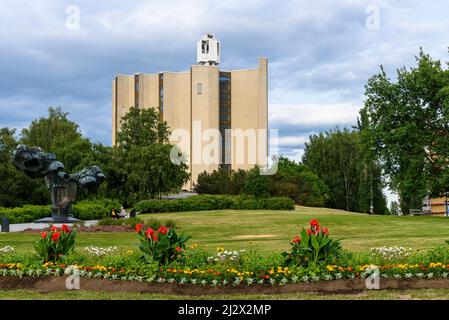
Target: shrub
[(25, 214), (56, 244), (94, 209), (84, 210), (132, 222), (214, 202), (161, 246), (255, 183), (156, 224), (312, 247), (221, 182)]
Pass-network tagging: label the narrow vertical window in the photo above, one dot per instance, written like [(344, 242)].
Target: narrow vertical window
[(199, 88)]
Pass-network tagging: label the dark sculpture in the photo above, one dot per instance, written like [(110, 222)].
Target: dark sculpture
[(63, 186)]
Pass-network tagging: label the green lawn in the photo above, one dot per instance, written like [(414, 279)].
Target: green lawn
[(96, 295), (271, 231)]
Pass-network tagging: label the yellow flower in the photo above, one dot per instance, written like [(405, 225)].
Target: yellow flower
[(129, 252), (330, 268), (194, 246), (220, 249)]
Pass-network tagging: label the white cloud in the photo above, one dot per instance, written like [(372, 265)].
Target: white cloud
[(312, 115)]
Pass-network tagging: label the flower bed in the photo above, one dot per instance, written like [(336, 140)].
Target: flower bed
[(164, 258), (229, 277)]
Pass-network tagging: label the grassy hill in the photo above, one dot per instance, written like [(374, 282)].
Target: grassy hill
[(271, 231)]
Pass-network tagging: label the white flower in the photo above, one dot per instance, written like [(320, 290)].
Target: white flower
[(99, 252), (6, 249), (389, 253), (214, 282), (171, 280), (225, 256), (430, 275)]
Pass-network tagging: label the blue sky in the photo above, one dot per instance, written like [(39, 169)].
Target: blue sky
[(320, 53)]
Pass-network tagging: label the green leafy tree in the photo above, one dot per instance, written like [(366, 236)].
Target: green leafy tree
[(142, 127), (17, 189), (406, 125), (140, 166), (297, 181), (221, 182), (59, 135), (394, 208), (339, 159), (256, 184)]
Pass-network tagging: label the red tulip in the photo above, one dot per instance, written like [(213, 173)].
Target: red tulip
[(139, 227), (314, 223), (162, 230), (149, 233), (55, 236)]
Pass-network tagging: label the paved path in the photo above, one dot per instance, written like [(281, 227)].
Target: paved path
[(22, 226)]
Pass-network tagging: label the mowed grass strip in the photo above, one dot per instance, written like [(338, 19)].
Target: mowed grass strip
[(271, 231), (437, 294)]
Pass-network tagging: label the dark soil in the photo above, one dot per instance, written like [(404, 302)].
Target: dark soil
[(51, 283)]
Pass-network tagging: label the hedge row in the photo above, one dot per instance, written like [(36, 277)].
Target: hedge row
[(214, 202), (84, 210)]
